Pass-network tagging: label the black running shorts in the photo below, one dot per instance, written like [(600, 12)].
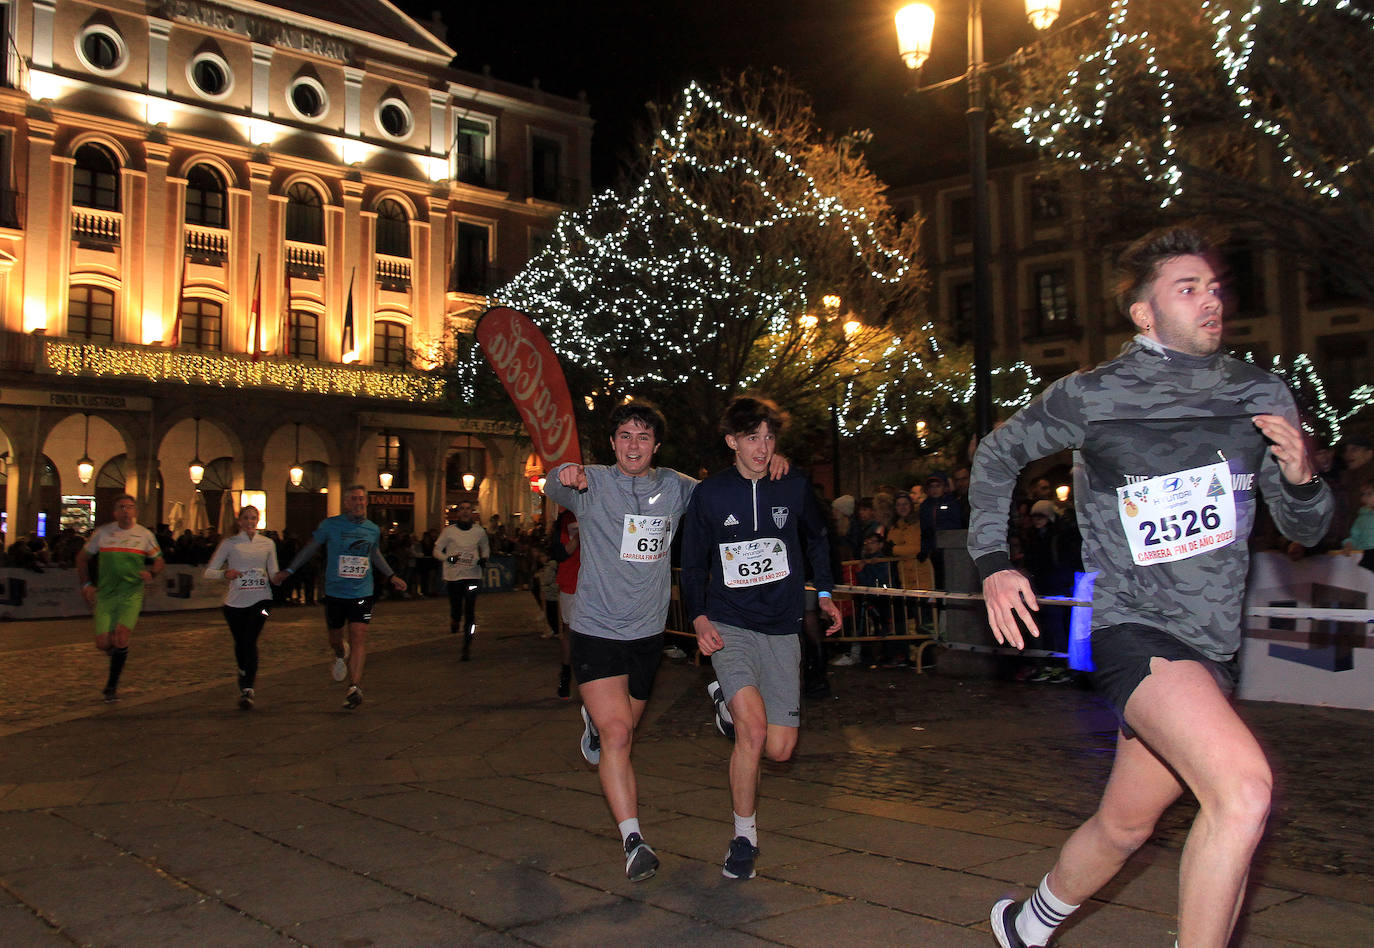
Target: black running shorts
[(341, 612), (594, 658), (1121, 658)]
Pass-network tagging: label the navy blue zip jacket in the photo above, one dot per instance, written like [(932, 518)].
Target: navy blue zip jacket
[(746, 546)]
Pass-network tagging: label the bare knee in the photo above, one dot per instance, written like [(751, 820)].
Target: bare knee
[(1242, 802), (1122, 833), (782, 741), (616, 736)]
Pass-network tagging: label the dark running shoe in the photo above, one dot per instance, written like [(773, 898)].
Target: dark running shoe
[(640, 861), (1003, 919), (246, 699), (110, 695), (739, 861), (353, 698), (591, 740), (724, 723)]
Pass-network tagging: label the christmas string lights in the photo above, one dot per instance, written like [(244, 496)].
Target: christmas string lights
[(1309, 389), (722, 252), (1128, 71)]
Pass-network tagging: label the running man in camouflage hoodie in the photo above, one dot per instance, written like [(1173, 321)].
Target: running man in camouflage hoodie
[(1172, 440)]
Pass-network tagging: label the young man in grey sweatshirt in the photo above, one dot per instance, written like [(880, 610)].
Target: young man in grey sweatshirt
[(1173, 442)]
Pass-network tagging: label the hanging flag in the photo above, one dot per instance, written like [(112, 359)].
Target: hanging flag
[(528, 367), (350, 347), (286, 314), (181, 300), (255, 315)]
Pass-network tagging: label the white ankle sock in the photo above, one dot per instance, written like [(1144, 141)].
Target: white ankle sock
[(1041, 914), (747, 826), (629, 826)]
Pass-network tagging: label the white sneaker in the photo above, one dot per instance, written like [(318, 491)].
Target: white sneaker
[(844, 659), (340, 669), (672, 651)]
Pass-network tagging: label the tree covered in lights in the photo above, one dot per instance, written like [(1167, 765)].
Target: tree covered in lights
[(748, 252), (1257, 111)]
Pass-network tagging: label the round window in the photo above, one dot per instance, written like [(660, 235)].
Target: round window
[(307, 98), (394, 118), (210, 75), (102, 49)]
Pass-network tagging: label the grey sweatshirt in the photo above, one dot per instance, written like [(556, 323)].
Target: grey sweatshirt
[(626, 525), (1152, 412)]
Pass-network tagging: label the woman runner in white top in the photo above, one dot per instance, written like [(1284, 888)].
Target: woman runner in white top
[(246, 559)]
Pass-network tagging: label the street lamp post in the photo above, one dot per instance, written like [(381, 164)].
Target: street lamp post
[(915, 24)]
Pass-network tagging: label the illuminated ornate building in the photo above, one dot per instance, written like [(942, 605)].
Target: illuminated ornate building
[(233, 237)]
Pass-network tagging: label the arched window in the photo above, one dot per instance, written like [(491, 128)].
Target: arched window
[(392, 456), (95, 178), (90, 313), (393, 229), (305, 336), (202, 324), (389, 344), (304, 214), (205, 197)]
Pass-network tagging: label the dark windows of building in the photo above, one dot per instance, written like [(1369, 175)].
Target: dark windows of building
[(473, 266), (1046, 203), (90, 313), (304, 214), (308, 98), (102, 49), (205, 197), (1053, 305), (393, 115), (393, 229), (389, 344), (304, 330), (546, 160), (961, 219), (470, 148), (963, 313), (1243, 290), (95, 178), (210, 75), (391, 456), (202, 324)]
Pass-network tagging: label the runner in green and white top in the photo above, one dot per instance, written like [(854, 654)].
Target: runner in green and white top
[(129, 559)]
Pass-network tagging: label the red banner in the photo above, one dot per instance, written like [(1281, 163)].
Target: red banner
[(528, 367)]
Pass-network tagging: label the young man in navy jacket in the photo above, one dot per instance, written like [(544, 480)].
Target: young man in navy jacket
[(746, 544)]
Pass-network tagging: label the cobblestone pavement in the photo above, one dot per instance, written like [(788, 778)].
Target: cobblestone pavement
[(911, 802), (49, 670)]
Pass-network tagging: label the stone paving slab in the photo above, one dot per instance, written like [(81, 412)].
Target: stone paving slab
[(454, 808)]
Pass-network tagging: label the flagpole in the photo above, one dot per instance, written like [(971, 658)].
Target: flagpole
[(255, 324)]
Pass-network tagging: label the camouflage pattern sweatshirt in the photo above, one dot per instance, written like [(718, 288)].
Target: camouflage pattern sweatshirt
[(1166, 465)]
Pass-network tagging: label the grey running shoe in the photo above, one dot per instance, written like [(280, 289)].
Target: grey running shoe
[(339, 670), (1003, 919), (640, 861), (724, 723), (353, 698), (739, 861), (246, 699), (591, 740)]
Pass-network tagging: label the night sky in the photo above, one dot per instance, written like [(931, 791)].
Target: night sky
[(623, 53)]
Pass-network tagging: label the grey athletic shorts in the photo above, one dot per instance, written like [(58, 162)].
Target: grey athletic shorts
[(771, 663)]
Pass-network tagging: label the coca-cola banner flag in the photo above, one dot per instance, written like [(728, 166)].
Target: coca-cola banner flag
[(528, 368)]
